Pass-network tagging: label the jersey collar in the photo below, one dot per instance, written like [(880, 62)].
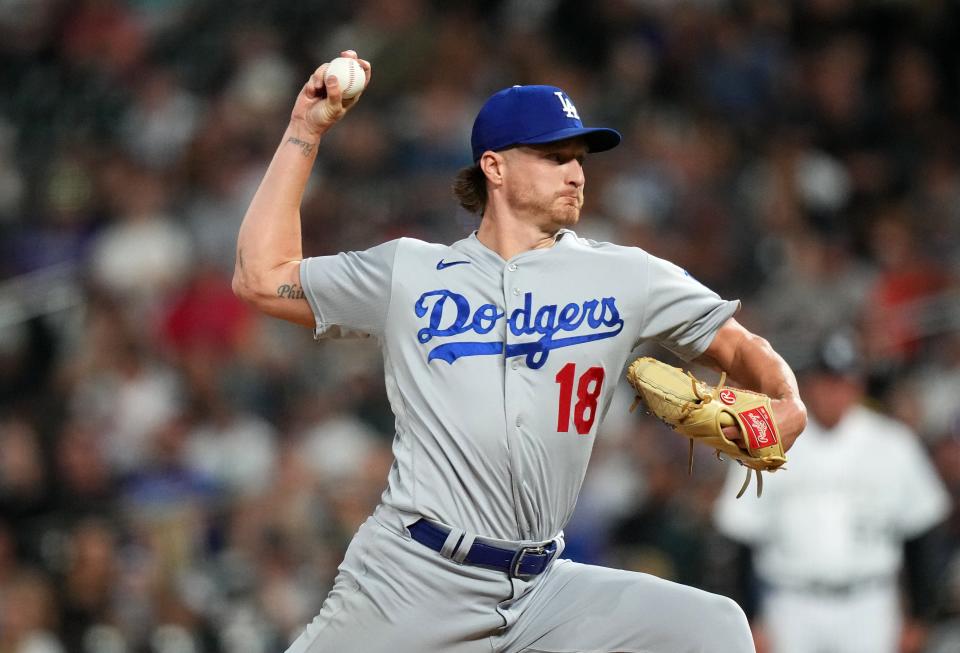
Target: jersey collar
[(472, 245)]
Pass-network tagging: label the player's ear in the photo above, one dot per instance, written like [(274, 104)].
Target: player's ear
[(492, 165)]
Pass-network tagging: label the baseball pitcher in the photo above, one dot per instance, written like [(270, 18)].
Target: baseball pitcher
[(501, 353)]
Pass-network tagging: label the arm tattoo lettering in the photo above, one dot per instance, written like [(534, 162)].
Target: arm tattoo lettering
[(287, 291), (305, 148)]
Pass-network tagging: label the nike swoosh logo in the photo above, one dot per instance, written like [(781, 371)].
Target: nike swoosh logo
[(445, 264)]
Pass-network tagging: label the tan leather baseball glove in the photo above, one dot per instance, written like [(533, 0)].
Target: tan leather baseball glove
[(700, 411)]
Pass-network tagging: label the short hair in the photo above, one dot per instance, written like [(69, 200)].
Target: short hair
[(470, 189)]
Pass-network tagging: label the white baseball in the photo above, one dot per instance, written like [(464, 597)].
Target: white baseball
[(350, 75)]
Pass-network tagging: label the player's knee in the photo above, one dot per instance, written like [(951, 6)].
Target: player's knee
[(728, 624)]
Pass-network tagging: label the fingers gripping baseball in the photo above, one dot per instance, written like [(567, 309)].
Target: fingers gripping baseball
[(321, 102)]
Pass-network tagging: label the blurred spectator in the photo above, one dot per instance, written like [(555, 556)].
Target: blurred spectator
[(86, 485), (227, 181), (88, 591), (744, 69), (900, 302), (167, 504), (205, 320), (104, 34), (28, 619), (259, 86), (815, 287), (28, 354), (227, 444), (161, 123), (24, 485), (936, 199), (119, 387), (145, 253), (837, 93), (335, 447), (663, 537)]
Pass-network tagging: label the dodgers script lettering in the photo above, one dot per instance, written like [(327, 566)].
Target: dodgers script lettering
[(450, 314)]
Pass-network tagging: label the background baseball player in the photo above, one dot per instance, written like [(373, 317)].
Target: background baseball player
[(828, 538), (500, 354)]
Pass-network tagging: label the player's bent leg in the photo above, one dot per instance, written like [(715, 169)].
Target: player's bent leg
[(394, 595), (586, 608)]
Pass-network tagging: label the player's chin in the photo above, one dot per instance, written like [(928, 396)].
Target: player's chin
[(567, 213), (568, 216)]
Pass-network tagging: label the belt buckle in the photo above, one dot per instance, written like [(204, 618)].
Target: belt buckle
[(518, 560)]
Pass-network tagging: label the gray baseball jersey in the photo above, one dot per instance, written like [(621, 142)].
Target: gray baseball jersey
[(499, 372)]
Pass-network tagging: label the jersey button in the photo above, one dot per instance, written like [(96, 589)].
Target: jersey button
[(512, 267), (514, 363), (516, 291), (519, 421)]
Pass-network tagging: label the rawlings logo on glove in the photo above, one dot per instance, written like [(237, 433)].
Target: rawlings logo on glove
[(700, 412)]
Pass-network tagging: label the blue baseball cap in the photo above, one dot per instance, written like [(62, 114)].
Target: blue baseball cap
[(526, 115)]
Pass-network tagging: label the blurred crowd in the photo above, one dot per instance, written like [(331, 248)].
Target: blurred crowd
[(179, 475)]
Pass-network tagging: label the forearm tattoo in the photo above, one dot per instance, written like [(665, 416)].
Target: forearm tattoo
[(306, 149), (287, 291)]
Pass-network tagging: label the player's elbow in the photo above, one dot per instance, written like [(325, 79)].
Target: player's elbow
[(240, 285), (273, 290), (248, 289)]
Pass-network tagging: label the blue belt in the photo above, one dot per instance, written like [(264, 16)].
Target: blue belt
[(524, 562)]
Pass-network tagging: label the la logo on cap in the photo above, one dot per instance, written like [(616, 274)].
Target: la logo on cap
[(567, 105)]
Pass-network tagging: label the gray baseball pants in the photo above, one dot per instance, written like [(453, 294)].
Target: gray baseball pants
[(395, 595)]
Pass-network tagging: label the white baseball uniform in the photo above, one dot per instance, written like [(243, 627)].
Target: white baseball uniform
[(499, 373), (827, 534)]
